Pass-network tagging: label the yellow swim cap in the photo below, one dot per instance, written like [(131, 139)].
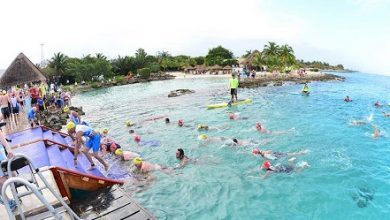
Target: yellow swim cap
[(66, 109), (202, 137), (119, 152), (70, 125), (199, 126), (105, 131), (137, 161), (129, 123)]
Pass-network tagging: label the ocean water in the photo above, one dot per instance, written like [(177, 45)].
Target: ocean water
[(349, 177)]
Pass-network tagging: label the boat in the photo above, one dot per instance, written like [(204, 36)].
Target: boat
[(225, 104), (51, 154)]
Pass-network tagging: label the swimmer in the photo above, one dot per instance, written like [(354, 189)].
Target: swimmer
[(234, 116), (236, 142), (167, 121), (203, 127), (386, 114), (284, 168), (270, 155), (125, 155), (376, 133), (207, 140), (347, 99), (357, 122), (136, 137), (184, 160), (143, 167), (378, 104), (180, 123), (261, 128)]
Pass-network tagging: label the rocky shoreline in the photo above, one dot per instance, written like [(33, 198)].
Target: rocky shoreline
[(283, 79), (56, 119), (106, 84)]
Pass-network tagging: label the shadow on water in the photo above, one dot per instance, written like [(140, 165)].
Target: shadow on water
[(96, 201)]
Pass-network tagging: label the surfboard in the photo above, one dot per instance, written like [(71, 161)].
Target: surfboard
[(225, 104)]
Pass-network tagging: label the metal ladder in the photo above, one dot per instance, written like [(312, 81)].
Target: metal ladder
[(33, 188)]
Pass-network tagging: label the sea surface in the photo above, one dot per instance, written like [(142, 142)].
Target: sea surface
[(349, 174)]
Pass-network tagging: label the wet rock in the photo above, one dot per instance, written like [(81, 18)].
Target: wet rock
[(179, 92)]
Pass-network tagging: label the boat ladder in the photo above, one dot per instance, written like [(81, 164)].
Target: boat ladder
[(17, 162)]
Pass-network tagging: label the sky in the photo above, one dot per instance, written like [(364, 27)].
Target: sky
[(355, 33)]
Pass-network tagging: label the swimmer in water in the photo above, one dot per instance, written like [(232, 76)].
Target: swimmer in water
[(261, 128), (201, 127), (136, 137), (234, 116), (125, 155), (143, 167), (180, 123), (283, 168), (183, 159), (347, 99), (386, 114), (378, 104), (236, 142), (207, 140), (167, 121), (305, 89), (357, 122), (376, 133), (270, 155)]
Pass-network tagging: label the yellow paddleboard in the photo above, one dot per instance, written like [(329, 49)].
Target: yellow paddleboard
[(225, 104)]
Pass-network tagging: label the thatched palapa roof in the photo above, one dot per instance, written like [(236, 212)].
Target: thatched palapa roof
[(21, 71), (227, 68), (248, 60), (215, 67)]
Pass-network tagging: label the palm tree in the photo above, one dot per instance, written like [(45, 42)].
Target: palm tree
[(286, 55), (140, 58), (247, 53), (258, 60), (100, 56), (271, 54), (58, 62)]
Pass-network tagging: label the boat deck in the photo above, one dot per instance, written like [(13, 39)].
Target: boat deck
[(111, 203)]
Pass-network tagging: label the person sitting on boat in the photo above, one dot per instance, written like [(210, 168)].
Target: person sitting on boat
[(76, 132), (32, 116), (233, 85), (4, 147), (270, 155), (284, 168), (378, 104), (347, 99), (305, 89)]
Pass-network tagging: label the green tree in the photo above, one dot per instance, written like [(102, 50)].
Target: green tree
[(271, 55), (286, 56), (58, 62), (199, 60), (140, 58), (216, 56), (123, 65)]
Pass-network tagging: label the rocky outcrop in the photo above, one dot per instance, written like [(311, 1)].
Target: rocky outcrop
[(56, 119), (282, 79), (179, 92)]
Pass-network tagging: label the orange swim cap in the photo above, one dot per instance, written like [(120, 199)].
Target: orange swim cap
[(267, 164)]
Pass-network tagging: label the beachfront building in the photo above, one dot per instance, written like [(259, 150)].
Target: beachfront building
[(21, 71)]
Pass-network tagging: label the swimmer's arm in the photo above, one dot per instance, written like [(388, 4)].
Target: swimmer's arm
[(266, 174)]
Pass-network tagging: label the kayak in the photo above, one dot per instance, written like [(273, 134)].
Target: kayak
[(225, 104)]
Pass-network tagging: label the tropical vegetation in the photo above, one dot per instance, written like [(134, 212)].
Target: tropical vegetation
[(62, 68)]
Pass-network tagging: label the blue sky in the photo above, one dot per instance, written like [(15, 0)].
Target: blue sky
[(355, 33)]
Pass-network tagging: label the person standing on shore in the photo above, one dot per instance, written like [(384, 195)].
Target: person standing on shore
[(233, 84)]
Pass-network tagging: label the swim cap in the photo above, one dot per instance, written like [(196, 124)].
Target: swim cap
[(119, 152), (137, 161), (180, 122), (231, 116), (70, 125), (129, 123), (202, 137), (105, 131), (137, 138), (267, 164), (255, 151), (66, 109), (199, 126)]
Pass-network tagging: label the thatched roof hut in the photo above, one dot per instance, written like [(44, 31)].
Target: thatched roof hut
[(248, 60), (227, 68), (21, 71), (215, 67)]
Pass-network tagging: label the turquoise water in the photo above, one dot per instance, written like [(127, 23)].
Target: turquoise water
[(226, 183)]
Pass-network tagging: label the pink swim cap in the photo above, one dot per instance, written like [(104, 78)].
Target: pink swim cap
[(180, 122), (113, 147), (255, 151), (137, 138), (267, 164)]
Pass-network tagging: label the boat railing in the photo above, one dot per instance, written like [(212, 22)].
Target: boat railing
[(17, 162)]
